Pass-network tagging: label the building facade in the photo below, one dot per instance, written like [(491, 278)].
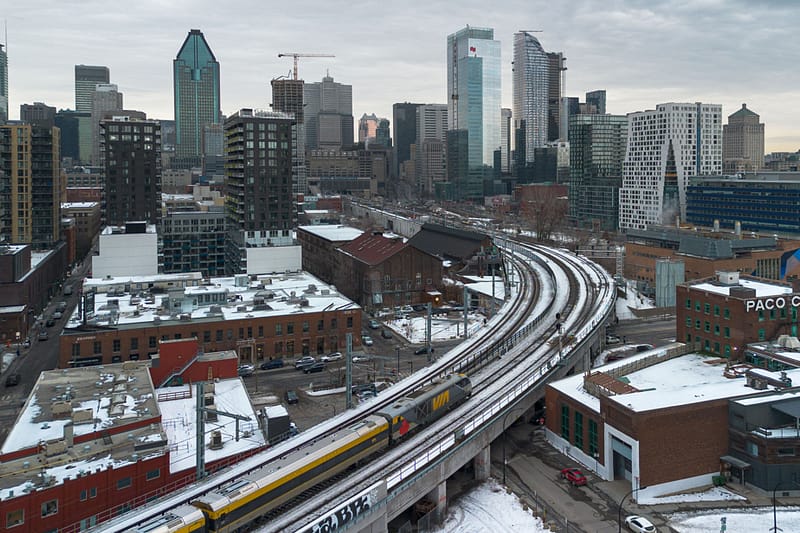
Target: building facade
[(105, 98), (131, 152), (328, 114), (763, 202), (287, 96), (3, 84), (530, 96), (723, 314), (30, 185), (363, 172), (473, 109), (743, 142), (194, 241), (258, 183), (430, 147), (320, 243), (404, 133), (87, 77), (38, 113), (596, 151), (598, 100), (665, 147), (195, 73), (87, 224)]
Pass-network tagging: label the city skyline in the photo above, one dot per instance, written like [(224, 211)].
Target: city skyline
[(641, 53)]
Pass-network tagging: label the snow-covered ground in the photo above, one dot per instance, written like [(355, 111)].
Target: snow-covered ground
[(488, 509), (715, 494), (737, 520), (413, 328), (632, 300)]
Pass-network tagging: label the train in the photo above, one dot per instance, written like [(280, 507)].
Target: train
[(232, 506)]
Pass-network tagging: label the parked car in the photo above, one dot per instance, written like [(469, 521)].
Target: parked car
[(374, 324), (386, 334), (366, 340), (639, 524), (574, 476), (61, 307), (43, 335), (246, 370), (335, 356), (613, 339), (12, 379), (304, 361), (57, 315), (362, 358), (50, 322), (358, 388), (313, 368), (644, 347), (419, 307), (291, 397), (406, 309), (274, 363), (422, 350)]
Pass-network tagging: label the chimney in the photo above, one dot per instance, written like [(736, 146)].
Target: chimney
[(68, 434)]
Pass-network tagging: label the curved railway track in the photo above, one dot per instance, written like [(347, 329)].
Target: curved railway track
[(521, 328)]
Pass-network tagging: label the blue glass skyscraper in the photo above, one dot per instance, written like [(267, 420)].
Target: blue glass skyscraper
[(197, 102), (473, 106)]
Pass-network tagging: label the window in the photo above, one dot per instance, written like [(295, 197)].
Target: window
[(688, 321), (98, 347), (716, 329), (290, 328), (241, 333), (278, 330), (772, 314), (93, 492), (727, 313), (579, 430), (688, 303), (697, 324), (260, 331), (786, 452), (153, 474), (320, 325), (134, 343), (565, 422), (84, 495), (707, 308), (349, 322), (697, 305), (707, 326), (116, 345), (761, 315), (15, 518), (727, 332), (305, 326), (123, 483), (152, 342), (219, 335), (727, 350), (752, 448), (334, 323), (206, 336), (593, 438), (761, 335), (49, 508), (76, 350)]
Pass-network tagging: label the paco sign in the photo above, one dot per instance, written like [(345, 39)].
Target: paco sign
[(779, 302)]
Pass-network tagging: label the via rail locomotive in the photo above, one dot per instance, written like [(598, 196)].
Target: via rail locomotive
[(227, 508)]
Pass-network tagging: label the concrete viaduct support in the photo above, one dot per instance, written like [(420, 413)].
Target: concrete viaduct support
[(482, 464), (439, 496)]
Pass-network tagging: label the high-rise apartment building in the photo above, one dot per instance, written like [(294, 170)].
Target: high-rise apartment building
[(195, 75), (430, 153), (106, 97), (506, 135), (258, 183), (666, 146), (328, 114), (598, 100), (3, 84), (530, 90), (596, 152), (131, 149), (474, 91), (404, 133), (287, 96), (30, 188), (743, 142)]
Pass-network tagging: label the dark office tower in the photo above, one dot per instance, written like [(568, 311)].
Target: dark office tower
[(597, 150), (404, 133), (38, 114), (213, 150), (556, 66), (287, 97), (258, 184), (195, 75), (87, 77), (328, 114), (67, 121), (3, 85), (30, 192), (131, 148), (598, 100), (382, 135)]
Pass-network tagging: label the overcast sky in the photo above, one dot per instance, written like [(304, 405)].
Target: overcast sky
[(642, 52)]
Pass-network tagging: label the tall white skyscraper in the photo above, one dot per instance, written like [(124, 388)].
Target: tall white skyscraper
[(473, 107), (531, 84), (3, 85), (431, 140), (665, 147)]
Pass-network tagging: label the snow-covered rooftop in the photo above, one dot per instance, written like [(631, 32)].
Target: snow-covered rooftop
[(79, 205), (483, 285), (333, 232), (684, 380), (186, 297), (763, 289)]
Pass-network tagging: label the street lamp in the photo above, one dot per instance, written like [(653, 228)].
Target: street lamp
[(397, 350), (504, 440), (619, 508)]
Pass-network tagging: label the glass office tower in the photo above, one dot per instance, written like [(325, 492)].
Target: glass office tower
[(530, 95)]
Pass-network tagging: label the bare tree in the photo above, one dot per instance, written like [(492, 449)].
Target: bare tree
[(545, 207)]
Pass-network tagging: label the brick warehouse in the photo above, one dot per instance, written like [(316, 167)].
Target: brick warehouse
[(658, 420), (723, 314), (266, 317)]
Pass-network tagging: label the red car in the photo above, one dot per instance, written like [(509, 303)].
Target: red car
[(574, 476)]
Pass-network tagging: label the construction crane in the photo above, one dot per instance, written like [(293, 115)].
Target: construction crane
[(298, 56)]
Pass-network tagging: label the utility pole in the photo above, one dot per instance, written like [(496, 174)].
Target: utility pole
[(349, 370)]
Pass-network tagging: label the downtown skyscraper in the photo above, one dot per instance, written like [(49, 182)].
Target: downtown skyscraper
[(3, 84), (665, 147), (473, 110), (195, 73), (743, 147), (530, 92)]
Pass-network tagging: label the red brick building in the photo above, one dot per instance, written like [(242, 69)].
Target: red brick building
[(723, 314), (319, 244)]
